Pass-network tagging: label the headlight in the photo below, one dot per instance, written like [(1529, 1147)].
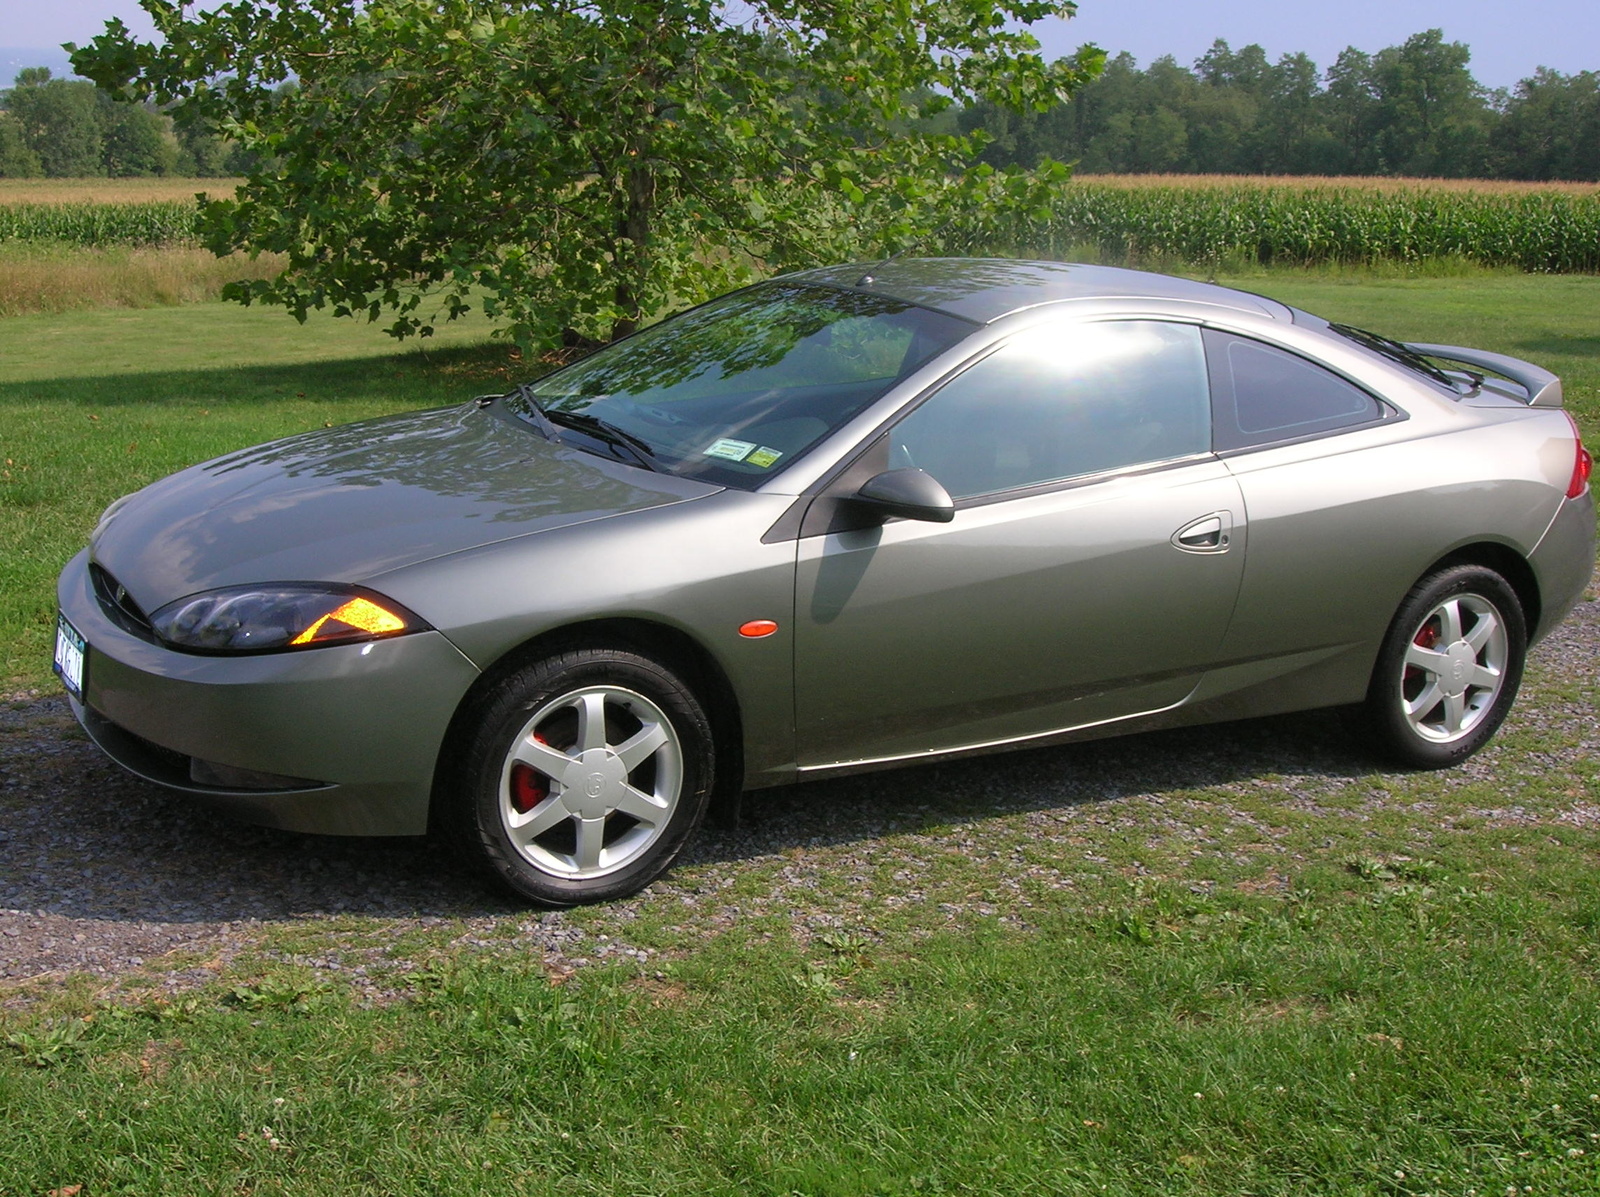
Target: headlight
[(245, 619)]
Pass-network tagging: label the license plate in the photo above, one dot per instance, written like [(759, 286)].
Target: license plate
[(71, 649)]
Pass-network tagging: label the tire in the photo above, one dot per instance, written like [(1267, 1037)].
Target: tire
[(582, 776), (1449, 668)]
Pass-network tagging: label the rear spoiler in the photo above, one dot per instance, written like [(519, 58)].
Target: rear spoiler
[(1543, 387)]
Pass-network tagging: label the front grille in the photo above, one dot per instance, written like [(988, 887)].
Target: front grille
[(119, 605)]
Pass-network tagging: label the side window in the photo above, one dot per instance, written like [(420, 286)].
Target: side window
[(1059, 402), (1264, 394)]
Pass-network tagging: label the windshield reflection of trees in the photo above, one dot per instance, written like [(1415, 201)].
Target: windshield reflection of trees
[(746, 332), (780, 366)]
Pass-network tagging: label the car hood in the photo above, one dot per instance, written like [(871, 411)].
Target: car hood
[(344, 504)]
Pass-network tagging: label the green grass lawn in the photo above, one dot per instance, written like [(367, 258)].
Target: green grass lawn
[(1431, 1035), (1214, 961), (1378, 1024)]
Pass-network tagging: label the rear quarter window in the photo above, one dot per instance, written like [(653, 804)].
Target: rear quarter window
[(1262, 394)]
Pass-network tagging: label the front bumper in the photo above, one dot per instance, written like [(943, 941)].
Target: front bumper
[(361, 724)]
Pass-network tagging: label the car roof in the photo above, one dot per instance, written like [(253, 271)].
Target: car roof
[(985, 289)]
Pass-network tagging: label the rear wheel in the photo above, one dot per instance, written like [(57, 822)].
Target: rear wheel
[(1449, 668), (584, 775)]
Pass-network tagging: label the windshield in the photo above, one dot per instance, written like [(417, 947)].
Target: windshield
[(737, 390)]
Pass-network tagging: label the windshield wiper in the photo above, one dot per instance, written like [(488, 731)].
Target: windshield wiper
[(528, 406), (604, 430), (1405, 355)]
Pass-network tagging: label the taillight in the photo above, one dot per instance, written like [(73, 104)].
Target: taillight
[(1582, 462)]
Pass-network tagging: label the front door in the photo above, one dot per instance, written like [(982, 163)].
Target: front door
[(1089, 574)]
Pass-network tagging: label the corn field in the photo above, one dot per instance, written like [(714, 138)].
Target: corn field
[(166, 222), (1541, 231), (1532, 231)]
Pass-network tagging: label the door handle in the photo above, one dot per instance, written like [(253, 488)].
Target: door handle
[(1208, 534)]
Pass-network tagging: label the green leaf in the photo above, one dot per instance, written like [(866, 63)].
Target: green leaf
[(583, 167)]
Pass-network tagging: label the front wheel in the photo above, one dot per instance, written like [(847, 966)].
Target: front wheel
[(1449, 668), (583, 776)]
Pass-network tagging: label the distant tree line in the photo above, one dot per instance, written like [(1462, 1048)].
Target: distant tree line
[(69, 128), (1413, 109)]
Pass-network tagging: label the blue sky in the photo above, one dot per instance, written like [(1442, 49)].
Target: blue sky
[(1508, 40)]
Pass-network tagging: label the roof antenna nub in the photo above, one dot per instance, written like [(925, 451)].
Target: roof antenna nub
[(870, 277)]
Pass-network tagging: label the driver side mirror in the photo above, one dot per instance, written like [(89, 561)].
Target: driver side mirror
[(909, 493)]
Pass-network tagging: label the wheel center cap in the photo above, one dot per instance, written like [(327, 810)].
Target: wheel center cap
[(1459, 663), (593, 783)]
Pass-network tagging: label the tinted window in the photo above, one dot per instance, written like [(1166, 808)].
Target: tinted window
[(1059, 402), (1265, 394), (736, 390)]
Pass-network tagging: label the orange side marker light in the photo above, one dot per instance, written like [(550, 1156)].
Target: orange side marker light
[(757, 628)]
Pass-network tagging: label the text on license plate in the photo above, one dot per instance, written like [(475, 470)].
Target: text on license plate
[(71, 648)]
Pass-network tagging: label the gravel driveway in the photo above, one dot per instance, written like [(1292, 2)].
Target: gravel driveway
[(105, 875)]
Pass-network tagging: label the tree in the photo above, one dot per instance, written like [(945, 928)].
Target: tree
[(1223, 114), (1257, 117), (68, 128), (60, 122), (1432, 117), (1551, 128), (201, 153), (1408, 109), (138, 140), (584, 164), (17, 161), (1292, 133)]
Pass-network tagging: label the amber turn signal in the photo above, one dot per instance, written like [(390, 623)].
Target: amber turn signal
[(757, 628), (364, 615)]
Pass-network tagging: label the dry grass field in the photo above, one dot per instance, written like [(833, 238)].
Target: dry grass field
[(46, 278), (1349, 182), (109, 191), (55, 276)]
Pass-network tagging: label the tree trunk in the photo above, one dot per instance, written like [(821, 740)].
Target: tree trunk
[(632, 247)]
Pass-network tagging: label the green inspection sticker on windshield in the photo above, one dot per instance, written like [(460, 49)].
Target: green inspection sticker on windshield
[(731, 450), (764, 457)]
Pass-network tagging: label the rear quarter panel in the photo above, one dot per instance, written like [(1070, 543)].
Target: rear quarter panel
[(1342, 527)]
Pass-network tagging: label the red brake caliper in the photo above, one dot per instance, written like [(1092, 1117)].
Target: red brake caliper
[(1427, 636), (529, 787)]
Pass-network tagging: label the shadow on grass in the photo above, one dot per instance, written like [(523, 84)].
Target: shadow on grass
[(1572, 346), (437, 375), (84, 840)]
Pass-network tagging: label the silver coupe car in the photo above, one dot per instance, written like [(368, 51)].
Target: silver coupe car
[(844, 520)]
